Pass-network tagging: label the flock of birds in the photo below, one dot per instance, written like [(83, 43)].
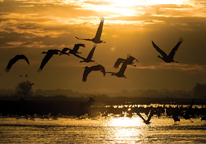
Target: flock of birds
[(97, 40)]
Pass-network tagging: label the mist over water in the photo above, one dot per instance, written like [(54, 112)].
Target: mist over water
[(102, 130)]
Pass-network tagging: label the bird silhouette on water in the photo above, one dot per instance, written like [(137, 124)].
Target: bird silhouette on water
[(47, 57), (168, 58), (89, 57), (129, 59), (97, 37), (92, 68), (84, 107), (14, 60), (188, 111), (148, 119), (73, 51)]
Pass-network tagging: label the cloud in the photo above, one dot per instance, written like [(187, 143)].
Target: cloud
[(174, 66)]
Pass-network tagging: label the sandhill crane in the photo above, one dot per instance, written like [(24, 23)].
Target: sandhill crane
[(89, 57), (72, 51), (92, 68), (165, 57), (120, 73), (129, 59), (97, 37), (84, 107), (149, 117), (14, 60), (47, 57), (187, 115)]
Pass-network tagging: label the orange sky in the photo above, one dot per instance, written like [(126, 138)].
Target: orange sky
[(32, 26)]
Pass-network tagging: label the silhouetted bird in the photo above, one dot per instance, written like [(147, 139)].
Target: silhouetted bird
[(97, 37), (165, 57), (120, 73), (89, 57), (92, 68), (14, 60), (84, 107), (47, 57), (129, 59), (175, 116), (72, 51), (149, 117), (187, 115)]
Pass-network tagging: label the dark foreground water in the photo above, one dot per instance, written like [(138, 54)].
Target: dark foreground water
[(102, 130)]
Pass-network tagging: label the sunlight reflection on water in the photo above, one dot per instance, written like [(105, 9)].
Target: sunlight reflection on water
[(101, 130)]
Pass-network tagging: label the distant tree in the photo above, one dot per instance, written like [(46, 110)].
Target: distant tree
[(24, 88)]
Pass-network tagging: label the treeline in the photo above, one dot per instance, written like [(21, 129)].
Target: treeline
[(199, 91)]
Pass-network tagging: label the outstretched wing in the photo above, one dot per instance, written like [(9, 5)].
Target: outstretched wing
[(118, 62), (64, 50), (14, 60), (173, 51), (159, 50), (85, 74), (76, 47), (150, 116), (99, 30), (123, 68), (79, 56), (45, 60), (102, 69), (130, 59), (89, 57), (25, 58), (189, 109)]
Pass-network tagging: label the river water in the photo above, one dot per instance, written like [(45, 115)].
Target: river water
[(102, 130)]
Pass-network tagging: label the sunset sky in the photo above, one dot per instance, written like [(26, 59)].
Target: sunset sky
[(30, 27)]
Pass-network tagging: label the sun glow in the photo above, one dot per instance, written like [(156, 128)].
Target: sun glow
[(125, 122)]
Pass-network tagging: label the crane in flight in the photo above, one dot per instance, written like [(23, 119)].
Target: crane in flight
[(89, 57), (97, 37), (92, 68), (168, 58), (47, 57), (73, 51), (130, 61), (14, 60)]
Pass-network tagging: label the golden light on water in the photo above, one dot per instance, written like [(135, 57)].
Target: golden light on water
[(125, 122)]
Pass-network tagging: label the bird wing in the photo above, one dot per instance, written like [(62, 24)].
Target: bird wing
[(65, 49), (150, 116), (85, 74), (123, 68), (130, 60), (14, 60), (89, 57), (84, 39), (45, 60), (76, 47), (159, 50), (25, 58), (11, 62), (173, 51), (141, 116), (99, 30), (190, 107), (102, 69), (118, 62), (79, 56)]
